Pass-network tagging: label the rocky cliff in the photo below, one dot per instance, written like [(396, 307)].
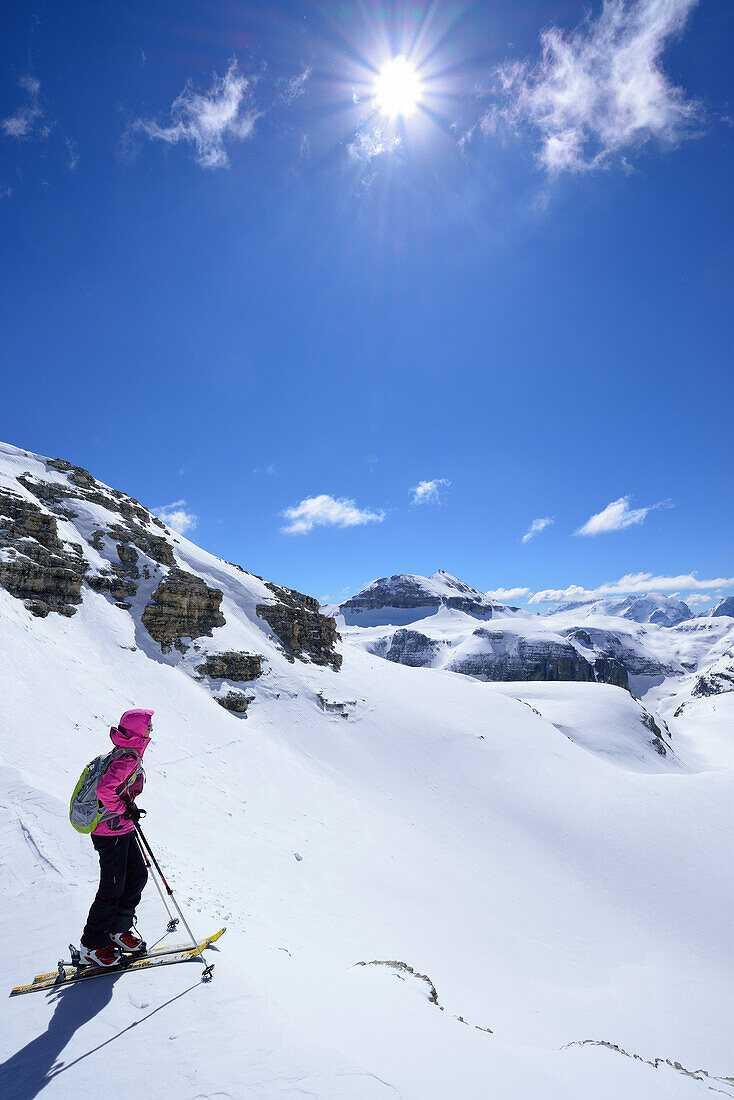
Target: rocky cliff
[(183, 606), (65, 535), (506, 657), (36, 565), (295, 619)]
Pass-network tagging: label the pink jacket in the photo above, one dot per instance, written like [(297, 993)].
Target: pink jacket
[(120, 785)]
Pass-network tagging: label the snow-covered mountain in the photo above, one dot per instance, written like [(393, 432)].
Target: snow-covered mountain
[(651, 607), (434, 885), (407, 597), (724, 607), (638, 643)]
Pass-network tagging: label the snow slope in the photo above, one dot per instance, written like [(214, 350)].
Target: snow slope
[(550, 893)]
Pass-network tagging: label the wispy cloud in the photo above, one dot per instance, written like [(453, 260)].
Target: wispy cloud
[(73, 161), (699, 598), (505, 594), (326, 511), (630, 583), (296, 86), (207, 120), (178, 517), (27, 120), (599, 90), (269, 470), (370, 143), (536, 527), (429, 492), (616, 517)]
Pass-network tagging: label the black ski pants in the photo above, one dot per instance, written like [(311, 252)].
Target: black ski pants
[(122, 876)]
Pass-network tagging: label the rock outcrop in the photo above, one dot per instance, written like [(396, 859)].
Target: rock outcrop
[(120, 581), (410, 647), (610, 671), (35, 565), (59, 496), (622, 649), (183, 606), (510, 657), (499, 655), (303, 632), (49, 575), (237, 667), (657, 741), (236, 701), (712, 683), (718, 677)]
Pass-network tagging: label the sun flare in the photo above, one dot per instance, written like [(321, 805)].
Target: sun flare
[(397, 89)]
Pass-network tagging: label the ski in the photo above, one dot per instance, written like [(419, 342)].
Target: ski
[(154, 953), (57, 980)]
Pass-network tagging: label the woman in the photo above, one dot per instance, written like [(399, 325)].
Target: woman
[(123, 873)]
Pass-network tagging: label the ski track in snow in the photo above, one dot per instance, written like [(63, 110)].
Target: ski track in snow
[(28, 837)]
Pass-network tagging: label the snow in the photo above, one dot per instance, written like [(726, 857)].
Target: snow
[(554, 881), (601, 718)]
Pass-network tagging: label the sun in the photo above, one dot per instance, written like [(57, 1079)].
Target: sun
[(397, 89)]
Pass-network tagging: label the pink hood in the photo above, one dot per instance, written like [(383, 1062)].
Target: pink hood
[(135, 724)]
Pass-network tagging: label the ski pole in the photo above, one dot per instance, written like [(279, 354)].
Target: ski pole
[(172, 921), (208, 967)]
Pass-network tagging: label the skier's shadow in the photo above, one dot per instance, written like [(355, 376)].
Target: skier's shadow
[(30, 1069)]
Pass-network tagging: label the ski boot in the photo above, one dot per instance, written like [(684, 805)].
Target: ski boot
[(128, 942)]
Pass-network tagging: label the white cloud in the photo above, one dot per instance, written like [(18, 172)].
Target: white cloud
[(505, 594), (297, 85), (177, 517), (326, 511), (616, 516), (429, 492), (207, 120), (536, 527), (269, 470), (600, 89), (630, 583), (370, 143), (25, 122), (697, 598)]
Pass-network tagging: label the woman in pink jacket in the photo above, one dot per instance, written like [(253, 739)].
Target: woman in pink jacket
[(123, 873)]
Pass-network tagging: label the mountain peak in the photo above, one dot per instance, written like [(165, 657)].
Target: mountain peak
[(406, 597)]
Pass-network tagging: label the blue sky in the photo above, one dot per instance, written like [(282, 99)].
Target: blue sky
[(231, 281)]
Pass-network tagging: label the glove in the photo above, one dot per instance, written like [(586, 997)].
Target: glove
[(134, 813)]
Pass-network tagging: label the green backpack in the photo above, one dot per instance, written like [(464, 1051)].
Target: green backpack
[(85, 810)]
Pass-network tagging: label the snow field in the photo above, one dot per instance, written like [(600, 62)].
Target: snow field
[(550, 893)]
